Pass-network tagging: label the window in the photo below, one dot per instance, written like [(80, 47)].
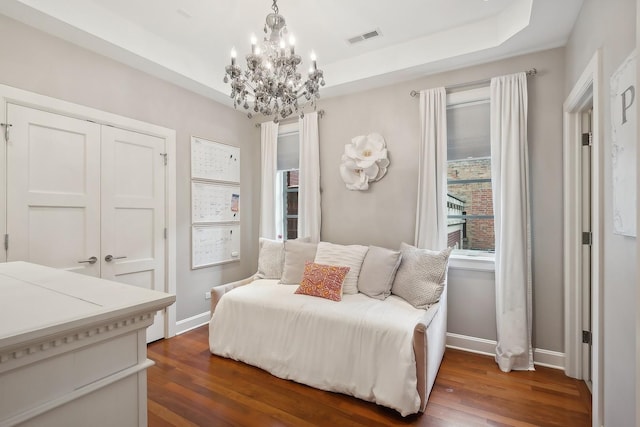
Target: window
[(469, 194), (290, 205), (287, 180)]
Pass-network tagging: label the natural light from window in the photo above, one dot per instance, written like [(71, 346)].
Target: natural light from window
[(469, 196), (287, 181)]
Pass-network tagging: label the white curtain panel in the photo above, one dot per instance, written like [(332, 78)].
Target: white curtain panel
[(510, 180), (269, 207), (431, 217), (309, 220)]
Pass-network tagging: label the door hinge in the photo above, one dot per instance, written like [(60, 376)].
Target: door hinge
[(587, 138), (6, 127), (586, 337), (165, 233), (6, 242), (164, 155), (586, 238)]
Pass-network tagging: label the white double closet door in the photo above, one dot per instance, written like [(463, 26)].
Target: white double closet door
[(88, 198)]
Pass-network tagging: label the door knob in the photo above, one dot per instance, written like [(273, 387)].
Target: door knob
[(110, 258), (91, 260)]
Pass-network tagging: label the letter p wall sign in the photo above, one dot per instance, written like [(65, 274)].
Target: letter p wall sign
[(624, 129)]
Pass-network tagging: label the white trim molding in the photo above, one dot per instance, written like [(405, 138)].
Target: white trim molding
[(541, 357), (472, 260), (192, 322), (548, 358), (471, 344), (586, 92)]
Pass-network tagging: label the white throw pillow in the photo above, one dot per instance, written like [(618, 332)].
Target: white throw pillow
[(270, 259), (421, 276), (344, 256)]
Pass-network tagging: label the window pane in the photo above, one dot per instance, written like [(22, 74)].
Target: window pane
[(470, 182), (468, 131), (290, 208), (288, 151), (470, 210), (470, 199), (292, 228)]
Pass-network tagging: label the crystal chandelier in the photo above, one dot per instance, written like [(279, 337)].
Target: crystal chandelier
[(271, 83)]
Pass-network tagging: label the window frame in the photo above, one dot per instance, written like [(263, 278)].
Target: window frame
[(470, 259), (286, 191), (281, 182)]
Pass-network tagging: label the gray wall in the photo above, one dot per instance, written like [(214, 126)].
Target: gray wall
[(385, 214), (610, 26), (44, 64)]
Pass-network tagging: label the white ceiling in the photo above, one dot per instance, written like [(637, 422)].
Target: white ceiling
[(188, 41)]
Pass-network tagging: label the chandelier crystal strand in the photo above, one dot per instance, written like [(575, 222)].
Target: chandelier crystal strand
[(271, 84)]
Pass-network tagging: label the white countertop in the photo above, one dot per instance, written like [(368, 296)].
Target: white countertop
[(38, 301)]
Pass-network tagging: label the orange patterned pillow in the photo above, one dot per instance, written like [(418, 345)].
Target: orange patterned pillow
[(323, 281)]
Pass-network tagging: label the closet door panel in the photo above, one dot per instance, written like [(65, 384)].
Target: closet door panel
[(53, 190), (133, 212)]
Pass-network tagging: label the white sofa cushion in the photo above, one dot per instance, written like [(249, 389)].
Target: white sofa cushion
[(421, 276), (344, 256), (378, 271)]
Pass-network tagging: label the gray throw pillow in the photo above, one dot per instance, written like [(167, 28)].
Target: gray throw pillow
[(421, 276), (296, 253), (378, 271)]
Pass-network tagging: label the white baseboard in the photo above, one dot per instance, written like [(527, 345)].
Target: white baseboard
[(193, 322), (471, 344), (541, 357), (548, 358)]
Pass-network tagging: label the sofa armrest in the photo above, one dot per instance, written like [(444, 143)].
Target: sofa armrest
[(218, 291), (420, 348), (424, 322), (429, 338)]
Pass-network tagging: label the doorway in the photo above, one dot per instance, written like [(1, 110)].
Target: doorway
[(582, 165), (586, 118)]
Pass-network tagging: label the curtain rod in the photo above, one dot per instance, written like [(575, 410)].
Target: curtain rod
[(531, 72), (320, 114)]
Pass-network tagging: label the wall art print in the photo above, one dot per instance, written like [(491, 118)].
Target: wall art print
[(624, 131)]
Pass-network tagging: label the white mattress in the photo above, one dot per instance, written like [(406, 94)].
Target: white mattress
[(359, 346)]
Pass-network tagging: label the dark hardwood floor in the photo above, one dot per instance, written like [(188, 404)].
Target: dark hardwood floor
[(190, 387)]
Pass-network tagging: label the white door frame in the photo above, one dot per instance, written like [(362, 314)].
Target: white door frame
[(13, 95), (588, 89)]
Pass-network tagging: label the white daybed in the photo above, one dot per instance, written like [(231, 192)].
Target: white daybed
[(383, 351)]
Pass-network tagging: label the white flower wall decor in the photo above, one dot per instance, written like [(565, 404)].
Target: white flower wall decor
[(364, 160)]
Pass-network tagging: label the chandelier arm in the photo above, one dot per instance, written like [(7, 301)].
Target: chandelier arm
[(248, 84)]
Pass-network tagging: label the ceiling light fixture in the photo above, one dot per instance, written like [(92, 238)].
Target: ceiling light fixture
[(271, 81)]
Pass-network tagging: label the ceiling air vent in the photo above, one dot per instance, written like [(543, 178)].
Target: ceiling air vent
[(362, 37)]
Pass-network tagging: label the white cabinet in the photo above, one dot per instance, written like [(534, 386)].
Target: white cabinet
[(73, 348)]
